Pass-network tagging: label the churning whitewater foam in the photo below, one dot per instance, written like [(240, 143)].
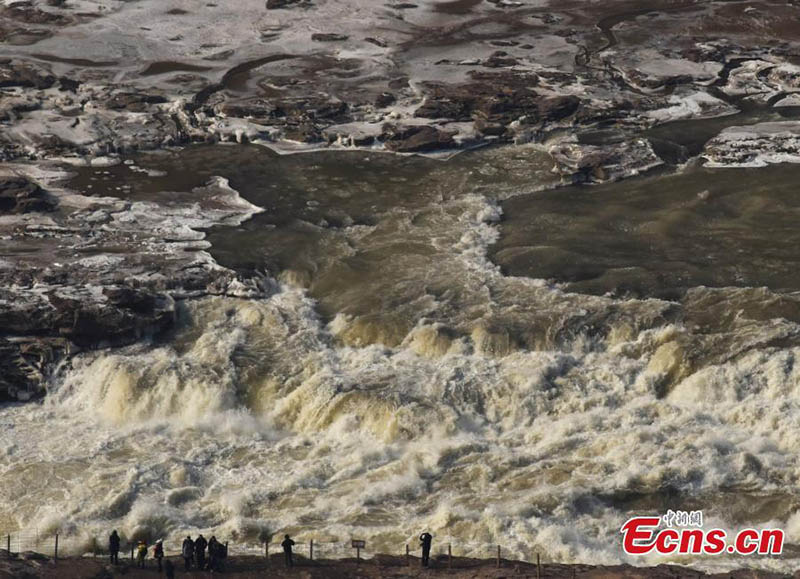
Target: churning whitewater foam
[(506, 411)]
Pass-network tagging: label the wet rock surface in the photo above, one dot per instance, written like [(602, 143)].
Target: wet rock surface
[(21, 195), (85, 272), (484, 72)]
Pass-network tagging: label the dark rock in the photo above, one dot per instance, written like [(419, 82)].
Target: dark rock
[(14, 73), (91, 324), (27, 13), (489, 129), (456, 108), (305, 110), (134, 102), (67, 84), (500, 59), (303, 133), (492, 99), (558, 107), (136, 300), (588, 115), (328, 110), (328, 37), (416, 139), (398, 83), (258, 109), (25, 363), (273, 4), (594, 166), (385, 99), (20, 195), (376, 42), (363, 141), (17, 106)]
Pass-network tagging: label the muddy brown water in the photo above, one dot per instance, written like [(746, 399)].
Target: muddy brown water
[(659, 235), (653, 236)]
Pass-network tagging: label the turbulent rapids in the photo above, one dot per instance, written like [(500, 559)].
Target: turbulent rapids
[(446, 348)]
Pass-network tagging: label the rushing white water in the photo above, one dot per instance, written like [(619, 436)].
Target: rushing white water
[(512, 412)]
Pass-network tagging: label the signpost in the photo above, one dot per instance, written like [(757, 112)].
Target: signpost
[(358, 545)]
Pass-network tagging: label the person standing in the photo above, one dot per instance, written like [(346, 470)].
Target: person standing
[(287, 545), (158, 553), (200, 551), (187, 550), (141, 554), (425, 540), (113, 547), (213, 551)]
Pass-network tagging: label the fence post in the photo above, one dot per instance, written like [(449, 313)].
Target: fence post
[(449, 556), (55, 552), (408, 562), (131, 551), (311, 550), (266, 550), (498, 556), (538, 567)]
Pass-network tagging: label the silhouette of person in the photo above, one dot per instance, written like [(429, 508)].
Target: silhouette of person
[(187, 550), (425, 540), (113, 546), (213, 551), (287, 545), (200, 551), (169, 569), (158, 553)]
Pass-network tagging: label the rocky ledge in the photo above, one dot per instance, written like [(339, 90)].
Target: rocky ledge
[(755, 145), (438, 77), (83, 272)]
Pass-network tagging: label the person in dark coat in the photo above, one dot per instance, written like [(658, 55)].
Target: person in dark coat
[(187, 551), (200, 551), (222, 555), (158, 553), (213, 552), (425, 540), (169, 569), (287, 545), (113, 547)]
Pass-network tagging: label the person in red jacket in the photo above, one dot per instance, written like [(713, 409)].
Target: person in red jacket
[(158, 553)]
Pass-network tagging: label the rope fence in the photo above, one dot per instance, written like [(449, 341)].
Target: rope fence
[(443, 553)]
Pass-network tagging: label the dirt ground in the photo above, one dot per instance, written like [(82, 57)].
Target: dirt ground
[(31, 566)]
